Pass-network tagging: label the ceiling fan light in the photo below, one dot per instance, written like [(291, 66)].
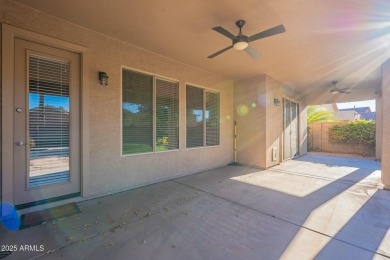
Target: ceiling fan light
[(240, 45), (334, 91)]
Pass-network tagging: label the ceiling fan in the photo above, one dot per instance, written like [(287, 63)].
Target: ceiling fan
[(241, 41), (336, 90)]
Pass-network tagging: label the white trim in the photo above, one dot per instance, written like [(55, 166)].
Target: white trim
[(154, 108), (204, 116), (185, 116), (220, 109), (149, 73), (154, 100), (121, 112), (202, 87), (203, 147), (178, 107)]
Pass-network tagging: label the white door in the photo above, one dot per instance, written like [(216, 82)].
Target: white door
[(290, 132), (46, 123)]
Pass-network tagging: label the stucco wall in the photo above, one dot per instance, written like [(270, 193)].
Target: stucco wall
[(250, 115), (386, 125), (260, 122), (378, 122), (109, 171), (275, 89), (274, 121)]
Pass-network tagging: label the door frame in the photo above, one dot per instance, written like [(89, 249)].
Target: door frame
[(9, 33), (298, 128)]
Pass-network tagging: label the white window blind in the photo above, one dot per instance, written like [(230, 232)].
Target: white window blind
[(202, 117), (212, 118), (167, 115), (194, 116), (48, 120), (137, 112)]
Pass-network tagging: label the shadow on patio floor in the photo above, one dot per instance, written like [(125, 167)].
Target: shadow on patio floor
[(307, 208)]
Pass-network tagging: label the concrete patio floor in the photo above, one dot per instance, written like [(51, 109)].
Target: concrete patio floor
[(315, 207)]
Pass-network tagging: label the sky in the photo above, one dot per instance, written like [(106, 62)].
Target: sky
[(50, 100), (367, 103)]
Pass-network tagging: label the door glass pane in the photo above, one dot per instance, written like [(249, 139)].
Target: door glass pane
[(48, 104)]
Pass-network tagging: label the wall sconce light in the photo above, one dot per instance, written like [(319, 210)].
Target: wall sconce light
[(103, 78), (276, 102)]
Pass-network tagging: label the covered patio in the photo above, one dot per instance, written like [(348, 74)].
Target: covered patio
[(313, 207)]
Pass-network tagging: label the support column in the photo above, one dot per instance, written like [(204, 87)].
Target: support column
[(378, 123), (385, 116)]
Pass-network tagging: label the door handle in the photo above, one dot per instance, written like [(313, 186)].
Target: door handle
[(20, 143)]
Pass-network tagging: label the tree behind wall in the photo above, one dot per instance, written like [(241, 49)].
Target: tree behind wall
[(319, 114)]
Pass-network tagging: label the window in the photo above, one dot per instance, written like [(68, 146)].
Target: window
[(202, 117), (145, 129), (212, 118), (167, 115)]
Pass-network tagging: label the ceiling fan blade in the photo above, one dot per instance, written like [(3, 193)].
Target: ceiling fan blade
[(219, 52), (252, 52), (225, 32), (270, 32)]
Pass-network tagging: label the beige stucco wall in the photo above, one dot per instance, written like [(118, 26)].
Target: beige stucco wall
[(250, 115), (274, 121), (386, 125), (109, 171), (260, 122), (276, 89)]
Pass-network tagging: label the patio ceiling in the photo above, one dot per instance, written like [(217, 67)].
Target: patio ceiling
[(344, 40)]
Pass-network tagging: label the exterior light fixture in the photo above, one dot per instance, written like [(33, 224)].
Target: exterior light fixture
[(276, 102), (103, 78)]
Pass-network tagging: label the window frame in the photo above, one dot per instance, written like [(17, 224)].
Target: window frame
[(155, 77), (204, 89)]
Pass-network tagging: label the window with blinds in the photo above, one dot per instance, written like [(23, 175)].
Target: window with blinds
[(48, 121), (202, 117), (212, 118), (167, 115), (194, 116), (137, 112), (150, 122)]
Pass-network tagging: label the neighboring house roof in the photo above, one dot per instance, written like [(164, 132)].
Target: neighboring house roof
[(369, 115), (359, 110)]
